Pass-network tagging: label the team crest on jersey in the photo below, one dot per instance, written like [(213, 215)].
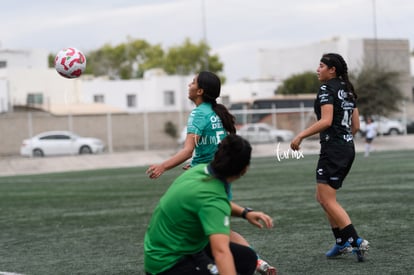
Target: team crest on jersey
[(342, 94)]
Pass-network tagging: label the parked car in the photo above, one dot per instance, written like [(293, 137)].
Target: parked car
[(264, 133), (410, 127), (60, 143), (182, 136), (385, 126)]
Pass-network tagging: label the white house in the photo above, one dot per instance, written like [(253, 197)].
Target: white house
[(248, 90), (25, 81), (155, 92), (30, 59), (9, 59), (4, 96)]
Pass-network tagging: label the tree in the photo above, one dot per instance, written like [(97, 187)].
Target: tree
[(303, 83), (377, 91), (51, 60), (132, 59), (190, 58), (124, 61)]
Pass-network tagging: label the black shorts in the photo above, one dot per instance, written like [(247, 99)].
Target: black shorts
[(334, 164), (245, 260), (369, 140)]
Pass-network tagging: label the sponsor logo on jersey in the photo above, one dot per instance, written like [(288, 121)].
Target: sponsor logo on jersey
[(226, 221), (348, 138), (346, 105)]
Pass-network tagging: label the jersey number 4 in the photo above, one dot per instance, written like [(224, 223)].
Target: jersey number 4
[(346, 120)]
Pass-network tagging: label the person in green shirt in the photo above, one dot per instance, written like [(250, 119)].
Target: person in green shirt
[(189, 232), (207, 125)]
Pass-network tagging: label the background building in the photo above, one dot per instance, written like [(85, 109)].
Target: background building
[(391, 54), (26, 80), (134, 114)]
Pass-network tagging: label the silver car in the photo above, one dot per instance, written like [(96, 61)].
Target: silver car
[(60, 143), (264, 133)]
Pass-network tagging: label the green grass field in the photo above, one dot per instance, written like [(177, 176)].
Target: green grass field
[(93, 222)]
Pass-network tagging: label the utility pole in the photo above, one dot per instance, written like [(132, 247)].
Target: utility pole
[(375, 34), (203, 18)]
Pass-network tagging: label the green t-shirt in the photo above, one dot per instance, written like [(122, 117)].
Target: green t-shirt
[(194, 207), (204, 122)]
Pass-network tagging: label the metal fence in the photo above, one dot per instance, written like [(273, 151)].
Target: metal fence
[(128, 132), (120, 132)]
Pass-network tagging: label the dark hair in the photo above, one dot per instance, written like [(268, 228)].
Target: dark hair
[(211, 85), (337, 61), (232, 156)]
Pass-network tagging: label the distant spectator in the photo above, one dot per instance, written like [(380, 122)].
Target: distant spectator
[(370, 134)]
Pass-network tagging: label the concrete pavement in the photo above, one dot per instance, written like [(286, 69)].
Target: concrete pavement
[(20, 166)]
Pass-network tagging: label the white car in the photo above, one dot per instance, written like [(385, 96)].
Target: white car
[(264, 133), (384, 126), (60, 143), (183, 135)]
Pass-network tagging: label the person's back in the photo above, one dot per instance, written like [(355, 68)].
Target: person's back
[(175, 230), (189, 232), (207, 125)]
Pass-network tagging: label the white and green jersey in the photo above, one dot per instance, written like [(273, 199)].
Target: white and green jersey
[(204, 122)]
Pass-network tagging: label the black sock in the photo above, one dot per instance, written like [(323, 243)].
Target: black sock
[(350, 235), (337, 234)]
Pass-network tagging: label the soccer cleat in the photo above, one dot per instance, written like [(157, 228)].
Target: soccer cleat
[(264, 268), (362, 247), (338, 250)]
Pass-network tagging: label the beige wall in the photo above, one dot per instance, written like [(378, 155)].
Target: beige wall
[(127, 129)]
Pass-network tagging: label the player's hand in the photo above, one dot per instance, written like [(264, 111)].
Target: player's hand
[(187, 166), (259, 219), (295, 144), (155, 170)]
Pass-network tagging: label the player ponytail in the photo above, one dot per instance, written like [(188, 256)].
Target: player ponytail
[(232, 156), (211, 85), (337, 61)]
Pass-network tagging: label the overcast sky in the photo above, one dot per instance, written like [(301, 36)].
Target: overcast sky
[(235, 29)]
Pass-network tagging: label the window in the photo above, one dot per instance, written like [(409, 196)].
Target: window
[(3, 64), (55, 137), (99, 98), (169, 99), (131, 100), (34, 98), (263, 130)]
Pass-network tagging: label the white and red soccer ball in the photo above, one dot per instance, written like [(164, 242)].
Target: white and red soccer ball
[(70, 63)]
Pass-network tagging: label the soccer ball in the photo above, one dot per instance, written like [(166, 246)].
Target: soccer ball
[(70, 63)]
